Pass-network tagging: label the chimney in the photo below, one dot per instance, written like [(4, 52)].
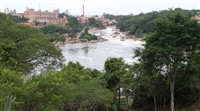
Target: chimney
[(83, 11)]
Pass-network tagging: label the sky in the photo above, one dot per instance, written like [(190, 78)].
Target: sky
[(97, 7)]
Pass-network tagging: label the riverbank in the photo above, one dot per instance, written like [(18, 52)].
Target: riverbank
[(101, 37), (133, 37), (125, 35), (93, 55), (77, 40)]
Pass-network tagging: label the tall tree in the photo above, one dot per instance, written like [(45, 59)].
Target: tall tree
[(114, 70), (171, 49)]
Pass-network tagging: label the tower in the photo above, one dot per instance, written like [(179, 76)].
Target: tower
[(83, 11), (38, 5)]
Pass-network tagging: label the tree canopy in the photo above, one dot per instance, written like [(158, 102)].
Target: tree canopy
[(171, 50), (142, 24), (87, 36), (24, 48), (95, 23)]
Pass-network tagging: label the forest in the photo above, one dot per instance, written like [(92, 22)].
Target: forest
[(33, 76), (145, 23)]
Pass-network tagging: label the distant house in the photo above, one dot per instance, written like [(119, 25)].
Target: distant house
[(8, 11), (44, 16)]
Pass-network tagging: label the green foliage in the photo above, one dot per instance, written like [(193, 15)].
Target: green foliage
[(56, 32), (52, 29), (171, 52), (109, 16), (74, 26), (87, 36), (72, 88), (114, 68), (24, 48), (62, 15), (57, 39), (19, 19), (95, 23), (146, 23), (10, 85)]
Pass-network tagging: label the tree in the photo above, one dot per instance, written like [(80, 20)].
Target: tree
[(25, 49), (172, 47), (52, 29), (87, 36), (143, 24), (19, 19), (95, 23), (10, 85), (72, 88), (114, 68), (74, 25)]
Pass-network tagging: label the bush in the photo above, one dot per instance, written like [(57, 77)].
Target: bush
[(51, 29)]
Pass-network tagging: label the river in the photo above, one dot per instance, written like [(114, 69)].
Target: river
[(93, 55)]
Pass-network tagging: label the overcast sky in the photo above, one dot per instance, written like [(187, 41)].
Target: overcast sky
[(97, 7)]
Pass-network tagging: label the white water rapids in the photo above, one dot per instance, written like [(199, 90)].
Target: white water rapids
[(93, 55)]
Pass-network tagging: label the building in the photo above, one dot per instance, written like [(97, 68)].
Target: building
[(105, 21), (44, 16), (8, 11)]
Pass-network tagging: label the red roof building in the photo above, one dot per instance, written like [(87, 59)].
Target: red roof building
[(44, 16)]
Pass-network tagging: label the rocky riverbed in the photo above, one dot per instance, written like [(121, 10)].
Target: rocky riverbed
[(93, 55), (100, 37)]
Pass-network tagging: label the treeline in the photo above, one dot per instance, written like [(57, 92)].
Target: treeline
[(145, 23), (95, 23), (19, 19), (56, 32)]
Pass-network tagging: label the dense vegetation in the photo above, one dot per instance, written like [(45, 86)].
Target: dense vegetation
[(19, 19), (109, 16), (142, 24), (169, 62), (95, 23), (54, 29), (56, 32), (25, 49), (166, 76), (74, 26), (87, 36), (72, 88)]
